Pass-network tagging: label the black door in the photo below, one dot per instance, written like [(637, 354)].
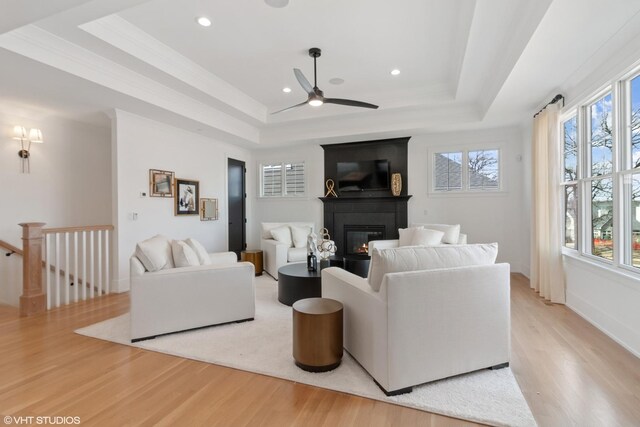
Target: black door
[(236, 194)]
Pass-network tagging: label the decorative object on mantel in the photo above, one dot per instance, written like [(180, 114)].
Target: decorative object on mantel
[(396, 184), (330, 185), (161, 183), (187, 197), (326, 246), (208, 209), (35, 136)]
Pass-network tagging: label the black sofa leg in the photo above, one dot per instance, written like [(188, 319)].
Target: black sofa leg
[(394, 392), (500, 366)]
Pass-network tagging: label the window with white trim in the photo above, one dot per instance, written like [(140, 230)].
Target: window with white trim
[(284, 179), (466, 170), (601, 175)]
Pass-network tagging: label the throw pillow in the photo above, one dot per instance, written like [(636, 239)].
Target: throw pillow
[(155, 253), (394, 260), (451, 232), (201, 252), (426, 237), (282, 234), (406, 235), (300, 235), (183, 255)]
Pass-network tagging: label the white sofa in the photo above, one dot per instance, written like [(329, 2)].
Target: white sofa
[(276, 254), (424, 325), (178, 299), (386, 244)]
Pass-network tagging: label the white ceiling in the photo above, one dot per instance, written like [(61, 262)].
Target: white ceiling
[(464, 63)]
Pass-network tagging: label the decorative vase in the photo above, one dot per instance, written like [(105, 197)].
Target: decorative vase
[(396, 184)]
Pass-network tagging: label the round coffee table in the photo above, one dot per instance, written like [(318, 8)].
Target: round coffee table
[(317, 334), (296, 282)]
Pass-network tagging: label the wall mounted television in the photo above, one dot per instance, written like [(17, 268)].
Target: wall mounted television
[(363, 175)]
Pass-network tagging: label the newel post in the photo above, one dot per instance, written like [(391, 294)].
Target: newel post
[(33, 299)]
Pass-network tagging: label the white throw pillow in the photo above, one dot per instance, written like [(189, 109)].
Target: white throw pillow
[(201, 252), (155, 253), (183, 255), (451, 232), (406, 235), (282, 235), (426, 237), (300, 235), (394, 260)]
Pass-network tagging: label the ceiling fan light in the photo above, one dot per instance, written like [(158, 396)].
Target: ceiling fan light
[(315, 102), (277, 3)]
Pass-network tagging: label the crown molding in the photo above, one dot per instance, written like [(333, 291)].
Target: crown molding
[(42, 46), (130, 39)]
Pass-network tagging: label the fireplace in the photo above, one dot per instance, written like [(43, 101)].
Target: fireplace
[(357, 238)]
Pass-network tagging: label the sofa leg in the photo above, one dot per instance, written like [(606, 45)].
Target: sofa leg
[(500, 366), (394, 392), (244, 320)]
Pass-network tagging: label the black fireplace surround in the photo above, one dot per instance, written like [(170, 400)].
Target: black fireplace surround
[(351, 217)]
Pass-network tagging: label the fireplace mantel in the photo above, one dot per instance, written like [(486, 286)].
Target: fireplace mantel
[(341, 213)]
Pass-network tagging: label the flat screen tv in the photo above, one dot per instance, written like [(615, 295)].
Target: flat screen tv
[(363, 175)]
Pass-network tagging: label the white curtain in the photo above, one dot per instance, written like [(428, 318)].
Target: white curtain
[(547, 276)]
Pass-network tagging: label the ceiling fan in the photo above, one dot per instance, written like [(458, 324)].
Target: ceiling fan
[(316, 96)]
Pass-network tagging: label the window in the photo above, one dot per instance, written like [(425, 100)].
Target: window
[(276, 183), (481, 171), (601, 176)]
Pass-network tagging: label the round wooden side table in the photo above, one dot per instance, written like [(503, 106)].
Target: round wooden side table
[(254, 257), (317, 334)]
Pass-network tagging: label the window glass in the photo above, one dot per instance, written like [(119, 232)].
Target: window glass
[(448, 171), (570, 216), (272, 180), (635, 220), (635, 122), (484, 170), (570, 150), (601, 136), (602, 218)]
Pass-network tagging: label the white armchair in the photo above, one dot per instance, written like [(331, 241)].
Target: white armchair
[(179, 299), (276, 254), (426, 324)]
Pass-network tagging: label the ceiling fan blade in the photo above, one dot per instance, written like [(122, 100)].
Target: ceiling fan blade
[(303, 81), (349, 102), (289, 108)]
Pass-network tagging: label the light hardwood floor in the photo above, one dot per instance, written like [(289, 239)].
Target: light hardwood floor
[(569, 372)]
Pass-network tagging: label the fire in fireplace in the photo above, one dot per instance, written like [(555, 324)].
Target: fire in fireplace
[(357, 238)]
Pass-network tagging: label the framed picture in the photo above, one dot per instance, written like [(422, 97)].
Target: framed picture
[(160, 183), (187, 199), (208, 209)]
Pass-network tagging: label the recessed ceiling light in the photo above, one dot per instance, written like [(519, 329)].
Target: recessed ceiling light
[(277, 3), (204, 21), (286, 89), (395, 72), (336, 81)]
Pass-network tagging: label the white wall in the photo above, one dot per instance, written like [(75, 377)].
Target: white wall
[(141, 144), (69, 185), (485, 216), (283, 209)]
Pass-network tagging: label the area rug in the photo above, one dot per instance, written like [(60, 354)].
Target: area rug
[(264, 346)]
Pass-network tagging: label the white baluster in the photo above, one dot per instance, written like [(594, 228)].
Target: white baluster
[(57, 270), (91, 260), (99, 262), (84, 265), (47, 267), (107, 254), (76, 279), (66, 268)]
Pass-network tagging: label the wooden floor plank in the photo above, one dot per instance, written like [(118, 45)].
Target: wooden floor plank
[(569, 372)]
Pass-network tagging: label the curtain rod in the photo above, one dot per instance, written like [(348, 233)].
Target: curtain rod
[(555, 99)]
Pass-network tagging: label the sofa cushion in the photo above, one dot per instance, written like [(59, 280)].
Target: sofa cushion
[(297, 254), (155, 253), (183, 255), (426, 237), (268, 226), (451, 232), (201, 252), (395, 260), (300, 235), (406, 235), (282, 234)]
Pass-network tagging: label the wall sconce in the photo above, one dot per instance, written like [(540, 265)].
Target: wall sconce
[(35, 135)]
